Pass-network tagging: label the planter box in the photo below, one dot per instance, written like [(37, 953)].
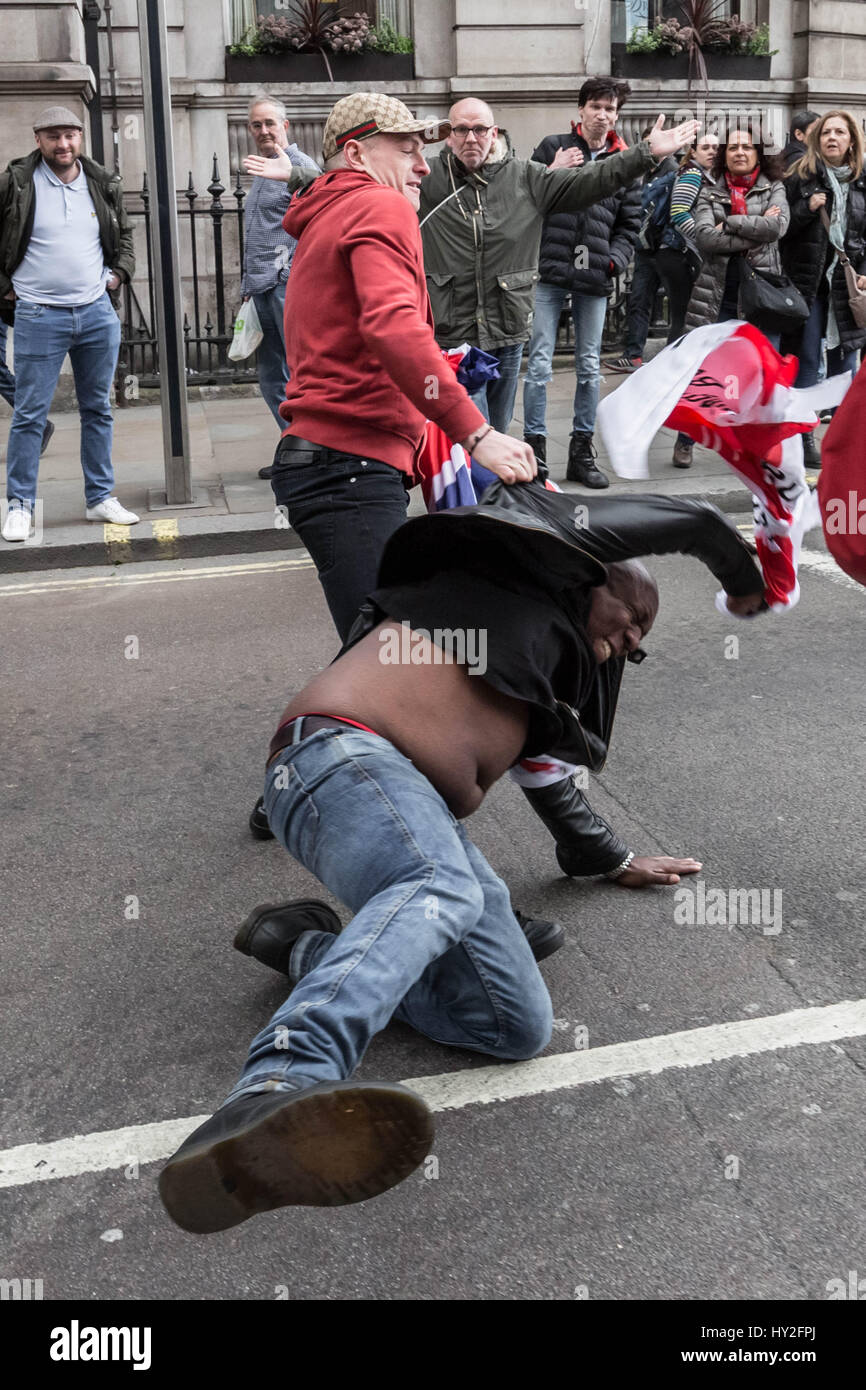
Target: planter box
[(670, 67), (286, 69)]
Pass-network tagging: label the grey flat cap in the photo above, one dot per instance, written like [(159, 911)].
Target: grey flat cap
[(56, 115)]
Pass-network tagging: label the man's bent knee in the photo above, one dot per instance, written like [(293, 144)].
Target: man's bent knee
[(529, 1035)]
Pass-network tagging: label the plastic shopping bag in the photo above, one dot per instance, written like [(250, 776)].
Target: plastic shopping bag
[(247, 332)]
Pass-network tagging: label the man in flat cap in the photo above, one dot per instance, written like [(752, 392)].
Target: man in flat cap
[(366, 371), (65, 250)]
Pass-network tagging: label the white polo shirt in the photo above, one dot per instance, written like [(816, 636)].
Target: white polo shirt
[(63, 263)]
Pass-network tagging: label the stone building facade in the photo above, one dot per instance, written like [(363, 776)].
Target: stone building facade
[(526, 60)]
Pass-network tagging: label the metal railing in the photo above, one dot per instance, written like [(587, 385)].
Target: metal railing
[(212, 265), (208, 317)]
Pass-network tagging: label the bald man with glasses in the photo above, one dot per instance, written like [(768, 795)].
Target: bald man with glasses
[(482, 211)]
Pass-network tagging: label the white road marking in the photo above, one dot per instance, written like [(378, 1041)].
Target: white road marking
[(698, 1047), (122, 578)]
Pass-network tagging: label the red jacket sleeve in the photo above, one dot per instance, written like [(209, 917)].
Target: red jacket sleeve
[(383, 248)]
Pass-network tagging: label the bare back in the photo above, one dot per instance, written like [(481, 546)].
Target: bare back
[(457, 730)]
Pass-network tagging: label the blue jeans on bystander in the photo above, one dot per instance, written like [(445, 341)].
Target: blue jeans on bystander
[(44, 334), (271, 353), (495, 399), (588, 312)]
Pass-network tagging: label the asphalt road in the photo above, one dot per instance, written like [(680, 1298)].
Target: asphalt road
[(130, 778)]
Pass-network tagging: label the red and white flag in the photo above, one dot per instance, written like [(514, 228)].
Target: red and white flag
[(727, 387)]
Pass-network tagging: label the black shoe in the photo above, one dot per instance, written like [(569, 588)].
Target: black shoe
[(581, 462), (323, 1146), (46, 436), (271, 930), (267, 473), (811, 454), (538, 444), (544, 937), (259, 821)]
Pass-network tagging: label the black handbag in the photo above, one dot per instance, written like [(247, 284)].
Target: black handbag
[(771, 302)]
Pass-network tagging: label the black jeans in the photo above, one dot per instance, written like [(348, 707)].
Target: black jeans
[(641, 300), (344, 508), (678, 279)]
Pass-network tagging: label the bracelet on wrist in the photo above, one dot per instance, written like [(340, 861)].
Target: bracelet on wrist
[(620, 869), (474, 440)]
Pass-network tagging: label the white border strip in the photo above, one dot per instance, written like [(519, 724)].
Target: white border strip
[(699, 1047)]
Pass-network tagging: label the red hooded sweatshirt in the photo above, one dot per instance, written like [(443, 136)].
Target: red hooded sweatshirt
[(366, 369)]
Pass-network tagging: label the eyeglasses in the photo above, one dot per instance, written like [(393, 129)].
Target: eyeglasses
[(479, 131)]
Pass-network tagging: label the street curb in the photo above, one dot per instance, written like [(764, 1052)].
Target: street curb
[(195, 538)]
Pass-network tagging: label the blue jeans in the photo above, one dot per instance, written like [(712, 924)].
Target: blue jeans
[(588, 312), (43, 336), (433, 941), (271, 353), (810, 349), (495, 399)]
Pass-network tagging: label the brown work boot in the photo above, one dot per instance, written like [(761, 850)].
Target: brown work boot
[(682, 454)]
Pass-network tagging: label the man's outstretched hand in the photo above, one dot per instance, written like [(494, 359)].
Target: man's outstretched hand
[(280, 167), (642, 873), (663, 142)]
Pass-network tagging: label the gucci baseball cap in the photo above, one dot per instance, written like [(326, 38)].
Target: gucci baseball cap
[(363, 114)]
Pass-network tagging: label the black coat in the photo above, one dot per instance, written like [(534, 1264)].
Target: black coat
[(806, 250), (608, 229)]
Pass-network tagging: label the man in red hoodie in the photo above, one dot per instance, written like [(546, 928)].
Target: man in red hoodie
[(366, 371)]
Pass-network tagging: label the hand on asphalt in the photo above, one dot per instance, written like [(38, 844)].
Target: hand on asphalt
[(663, 142), (510, 459), (656, 869), (280, 167)]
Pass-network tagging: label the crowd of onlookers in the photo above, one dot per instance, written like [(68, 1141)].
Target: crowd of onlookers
[(507, 253), (798, 214)]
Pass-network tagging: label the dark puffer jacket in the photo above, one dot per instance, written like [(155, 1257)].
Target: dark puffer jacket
[(806, 250), (721, 234), (608, 229)]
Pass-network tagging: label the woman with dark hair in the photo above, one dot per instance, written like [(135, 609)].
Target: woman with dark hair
[(740, 215), (827, 195), (678, 259)]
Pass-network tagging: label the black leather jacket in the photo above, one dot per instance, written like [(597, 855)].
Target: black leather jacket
[(526, 527)]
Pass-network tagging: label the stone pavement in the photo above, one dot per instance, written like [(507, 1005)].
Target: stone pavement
[(230, 439)]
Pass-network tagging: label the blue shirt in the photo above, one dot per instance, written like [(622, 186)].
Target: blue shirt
[(268, 250), (64, 262)]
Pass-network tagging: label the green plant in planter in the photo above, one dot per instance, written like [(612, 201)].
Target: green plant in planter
[(385, 39), (706, 30)]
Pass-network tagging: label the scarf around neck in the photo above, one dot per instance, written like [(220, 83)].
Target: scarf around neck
[(838, 180), (740, 185)]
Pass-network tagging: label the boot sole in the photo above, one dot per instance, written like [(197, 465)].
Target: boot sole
[(247, 931), (328, 1146)]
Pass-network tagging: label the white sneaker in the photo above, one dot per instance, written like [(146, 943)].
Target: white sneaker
[(17, 525), (111, 510)]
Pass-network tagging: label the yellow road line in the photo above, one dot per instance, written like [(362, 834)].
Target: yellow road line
[(124, 578), (165, 529), (111, 533)]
